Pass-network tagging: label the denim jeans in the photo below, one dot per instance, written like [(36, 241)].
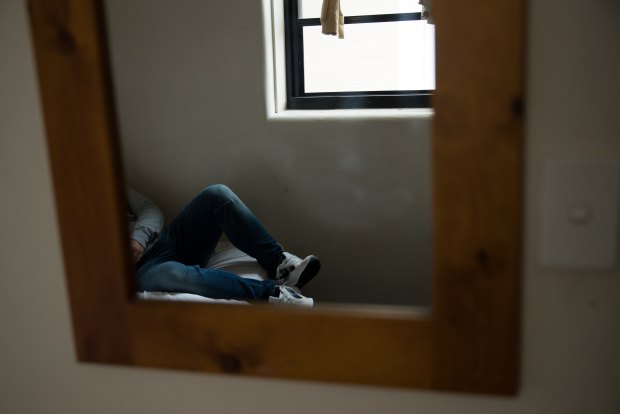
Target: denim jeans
[(176, 262)]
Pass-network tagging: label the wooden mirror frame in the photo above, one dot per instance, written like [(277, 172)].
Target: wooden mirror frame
[(468, 342)]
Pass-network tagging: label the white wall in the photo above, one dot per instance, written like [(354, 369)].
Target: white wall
[(571, 338), (190, 88)]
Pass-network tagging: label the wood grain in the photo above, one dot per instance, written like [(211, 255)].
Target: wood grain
[(75, 93), (477, 162), (468, 343)]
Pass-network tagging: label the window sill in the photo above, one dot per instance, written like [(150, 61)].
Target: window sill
[(353, 114)]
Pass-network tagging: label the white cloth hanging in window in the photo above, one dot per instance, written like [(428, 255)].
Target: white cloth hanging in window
[(427, 13), (332, 19)]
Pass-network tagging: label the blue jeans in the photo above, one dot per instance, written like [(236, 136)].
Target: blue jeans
[(176, 262)]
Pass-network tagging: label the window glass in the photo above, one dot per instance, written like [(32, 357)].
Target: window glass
[(371, 57), (312, 8)]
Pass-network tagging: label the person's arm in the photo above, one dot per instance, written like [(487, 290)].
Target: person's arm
[(149, 221)]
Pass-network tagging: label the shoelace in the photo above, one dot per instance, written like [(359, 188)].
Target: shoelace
[(288, 264), (292, 296)]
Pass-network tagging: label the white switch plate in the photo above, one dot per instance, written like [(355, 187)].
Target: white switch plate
[(580, 203)]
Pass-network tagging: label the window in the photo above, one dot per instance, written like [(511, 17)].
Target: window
[(386, 60)]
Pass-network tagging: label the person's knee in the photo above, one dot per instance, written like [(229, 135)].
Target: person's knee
[(218, 192)]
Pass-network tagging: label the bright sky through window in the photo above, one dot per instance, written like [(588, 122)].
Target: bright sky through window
[(386, 59), (371, 57)]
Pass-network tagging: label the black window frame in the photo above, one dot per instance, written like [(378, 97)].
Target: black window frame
[(297, 98)]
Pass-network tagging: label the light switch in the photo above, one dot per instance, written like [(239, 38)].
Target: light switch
[(580, 203)]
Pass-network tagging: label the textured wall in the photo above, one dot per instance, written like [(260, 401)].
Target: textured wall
[(191, 103)]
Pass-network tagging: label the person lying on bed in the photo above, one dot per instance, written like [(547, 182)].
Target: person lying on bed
[(174, 260)]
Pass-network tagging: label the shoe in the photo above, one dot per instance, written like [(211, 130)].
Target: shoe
[(296, 272), (290, 296)]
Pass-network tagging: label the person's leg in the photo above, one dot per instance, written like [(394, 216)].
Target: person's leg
[(194, 233), (172, 276)]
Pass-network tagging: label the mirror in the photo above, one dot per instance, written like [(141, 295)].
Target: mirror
[(468, 343), (190, 99)]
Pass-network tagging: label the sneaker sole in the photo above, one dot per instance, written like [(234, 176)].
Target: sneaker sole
[(311, 270)]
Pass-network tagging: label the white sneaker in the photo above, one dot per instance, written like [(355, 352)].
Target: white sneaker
[(290, 296), (296, 272)]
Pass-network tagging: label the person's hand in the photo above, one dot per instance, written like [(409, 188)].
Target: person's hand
[(136, 249)]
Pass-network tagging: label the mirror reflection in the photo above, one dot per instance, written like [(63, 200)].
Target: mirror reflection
[(338, 207)]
